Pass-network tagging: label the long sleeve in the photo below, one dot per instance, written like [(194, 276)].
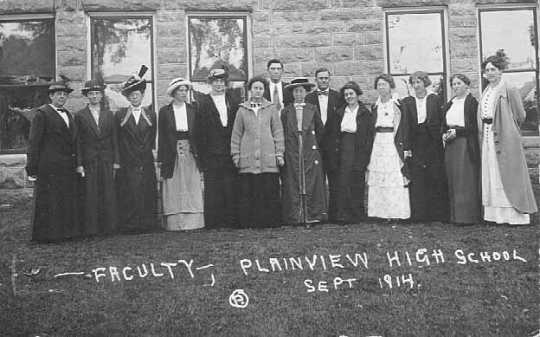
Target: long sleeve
[(435, 119), (277, 133), (236, 136), (162, 123), (77, 121), (200, 135), (319, 127), (514, 99), (37, 130), (116, 144)]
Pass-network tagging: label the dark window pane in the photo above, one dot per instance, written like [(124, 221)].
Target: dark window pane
[(217, 41), (518, 42), (415, 43), (26, 67), (26, 50), (120, 46)]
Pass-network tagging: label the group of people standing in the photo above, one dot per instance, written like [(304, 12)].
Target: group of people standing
[(288, 154)]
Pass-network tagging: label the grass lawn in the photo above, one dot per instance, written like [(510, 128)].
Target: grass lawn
[(187, 293)]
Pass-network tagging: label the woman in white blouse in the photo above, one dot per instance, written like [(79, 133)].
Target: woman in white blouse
[(349, 139), (462, 153), (388, 193), (507, 194), (177, 153)]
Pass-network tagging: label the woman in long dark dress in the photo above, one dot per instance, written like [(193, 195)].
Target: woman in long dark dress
[(350, 136), (136, 179), (462, 153), (304, 195), (52, 161), (428, 190), (257, 148), (98, 158), (182, 188)]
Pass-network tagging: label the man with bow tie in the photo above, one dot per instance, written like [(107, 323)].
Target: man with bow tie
[(51, 160), (327, 101)]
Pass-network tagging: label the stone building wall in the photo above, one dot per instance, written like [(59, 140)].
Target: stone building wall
[(347, 36)]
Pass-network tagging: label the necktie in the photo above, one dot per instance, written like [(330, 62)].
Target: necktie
[(276, 98), (321, 92), (64, 115)]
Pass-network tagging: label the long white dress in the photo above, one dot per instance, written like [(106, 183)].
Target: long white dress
[(497, 207), (388, 196)]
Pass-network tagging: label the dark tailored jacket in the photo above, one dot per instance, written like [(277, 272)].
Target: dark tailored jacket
[(432, 126), (136, 142), (470, 130), (52, 146), (286, 94), (401, 135), (213, 141), (335, 101), (167, 138), (365, 132), (96, 143)]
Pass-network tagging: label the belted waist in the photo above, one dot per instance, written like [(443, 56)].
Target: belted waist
[(384, 129), (487, 120), (182, 135)]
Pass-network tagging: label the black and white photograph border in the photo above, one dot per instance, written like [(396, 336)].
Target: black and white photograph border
[(343, 168)]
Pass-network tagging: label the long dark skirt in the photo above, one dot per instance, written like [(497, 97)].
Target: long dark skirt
[(221, 197), (259, 204), (99, 199), (137, 199), (55, 212), (463, 183), (351, 183)]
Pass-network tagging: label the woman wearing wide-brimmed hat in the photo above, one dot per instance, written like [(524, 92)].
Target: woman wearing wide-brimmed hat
[(136, 178), (213, 129), (182, 193), (304, 195), (99, 159), (52, 161)]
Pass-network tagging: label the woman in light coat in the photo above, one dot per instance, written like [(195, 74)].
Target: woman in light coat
[(507, 194), (257, 148)]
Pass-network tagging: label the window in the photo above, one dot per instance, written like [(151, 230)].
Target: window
[(120, 44), (217, 39), (415, 40), (27, 62), (520, 46)]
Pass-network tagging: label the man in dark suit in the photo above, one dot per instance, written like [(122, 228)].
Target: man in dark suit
[(213, 129), (51, 160), (98, 158), (276, 94), (327, 101)]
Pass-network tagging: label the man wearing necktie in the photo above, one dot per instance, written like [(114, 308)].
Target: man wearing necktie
[(327, 101), (51, 160), (276, 94), (98, 160)]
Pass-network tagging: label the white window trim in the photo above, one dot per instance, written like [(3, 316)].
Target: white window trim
[(90, 15), (420, 10), (249, 36)]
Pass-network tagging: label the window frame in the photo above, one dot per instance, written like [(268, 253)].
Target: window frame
[(125, 15), (443, 14), (245, 15), (505, 8), (32, 17)]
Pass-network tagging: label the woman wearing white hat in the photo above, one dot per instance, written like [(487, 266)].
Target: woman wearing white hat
[(177, 153)]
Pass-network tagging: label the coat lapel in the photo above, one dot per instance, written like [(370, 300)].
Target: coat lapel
[(89, 119), (307, 116)]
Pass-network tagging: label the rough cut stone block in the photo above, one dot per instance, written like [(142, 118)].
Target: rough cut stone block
[(12, 160), (345, 39), (295, 5), (334, 54), (362, 26), (370, 52), (12, 177), (348, 14), (26, 6), (304, 16), (304, 41), (292, 55), (324, 27), (110, 5)]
